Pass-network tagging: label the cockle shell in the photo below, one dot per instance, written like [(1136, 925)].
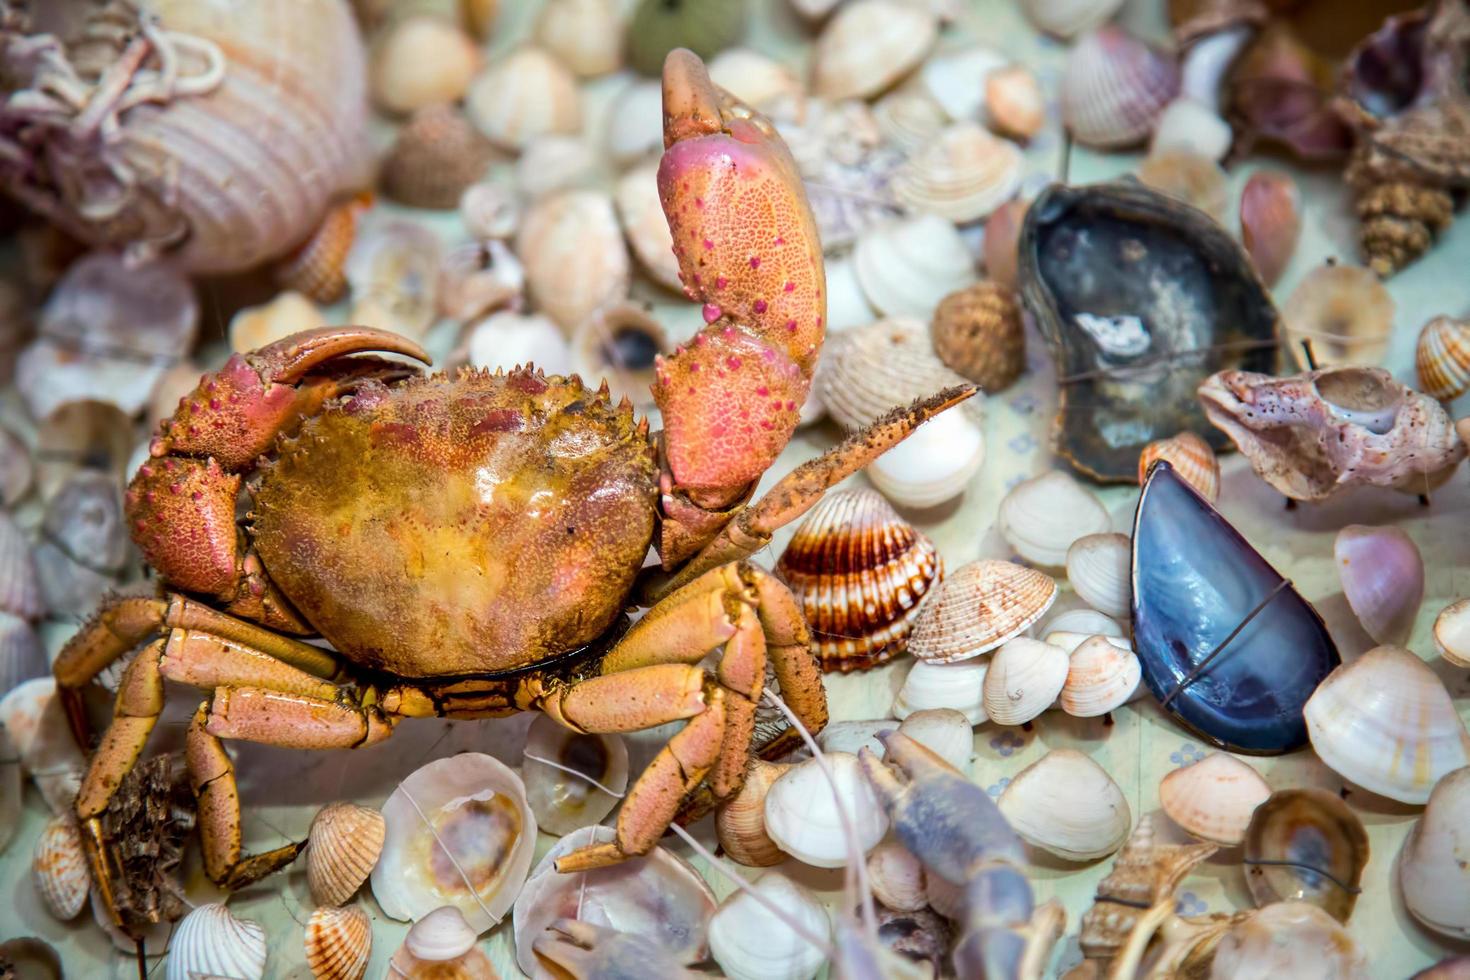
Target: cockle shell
[(1189, 126), (505, 340), (459, 832), (963, 174), (490, 211), (316, 269), (1098, 566), (1068, 805), (897, 877), (20, 589), (1041, 517), (869, 370), (1270, 221), (750, 941), (211, 942), (1290, 939), (563, 801), (907, 266), (1346, 313), (1452, 632), (525, 94), (644, 224), (342, 848), (1067, 19), (1014, 103), (620, 343), (980, 606), (1192, 458), (1002, 235), (1114, 88), (16, 469), (435, 157), (1434, 867), (59, 868), (338, 943), (868, 45), (1189, 177), (1386, 722), (860, 573), (1442, 358), (959, 686), (1024, 679), (1101, 677), (910, 119), (761, 82), (393, 274), (1305, 845), (740, 822), (1214, 798), (587, 35), (1382, 576), (479, 278), (802, 817), (419, 61), (555, 162), (573, 251), (256, 326), (978, 332), (1316, 433)]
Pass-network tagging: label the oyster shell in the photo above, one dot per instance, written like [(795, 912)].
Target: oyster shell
[(1313, 434), (1139, 298), (1305, 845)]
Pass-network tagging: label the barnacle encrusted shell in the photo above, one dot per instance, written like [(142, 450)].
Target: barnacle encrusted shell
[(436, 156), (338, 943), (860, 573), (59, 868), (1314, 434), (1305, 845), (342, 847), (977, 331), (980, 606)]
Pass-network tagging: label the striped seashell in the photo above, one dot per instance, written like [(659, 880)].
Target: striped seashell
[(525, 94), (1442, 358), (575, 259), (1191, 457), (59, 868), (20, 589), (1114, 88), (868, 45), (909, 118), (211, 942), (341, 850), (1102, 674), (860, 572), (906, 267), (1270, 221), (979, 607), (963, 174), (22, 656), (338, 943), (318, 267), (437, 156), (870, 370)]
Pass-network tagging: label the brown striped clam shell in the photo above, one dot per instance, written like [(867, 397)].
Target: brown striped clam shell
[(338, 943), (980, 606), (1442, 358), (342, 847), (860, 573), (1191, 457)]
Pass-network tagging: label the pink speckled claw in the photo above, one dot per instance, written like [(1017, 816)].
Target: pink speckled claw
[(748, 250)]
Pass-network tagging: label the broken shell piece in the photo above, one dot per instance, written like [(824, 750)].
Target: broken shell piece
[(506, 340), (897, 877), (1195, 179), (868, 45), (1306, 845), (860, 573), (342, 846), (573, 251), (1344, 311), (35, 721), (525, 94), (933, 465), (339, 942), (256, 326), (211, 942), (963, 173), (1290, 939), (802, 817), (944, 731), (981, 605), (59, 868), (564, 801), (490, 211), (1386, 722), (1068, 805), (1041, 517), (1452, 632), (459, 832), (937, 684), (978, 332), (1382, 576), (1214, 798), (620, 343), (740, 822), (1270, 221), (907, 266), (750, 941), (393, 274), (1098, 566), (1442, 358), (1192, 458), (1102, 675), (1114, 88), (1024, 680), (436, 156), (1014, 103), (1434, 867)]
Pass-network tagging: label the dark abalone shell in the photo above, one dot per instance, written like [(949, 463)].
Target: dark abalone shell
[(1195, 579), (1140, 298)]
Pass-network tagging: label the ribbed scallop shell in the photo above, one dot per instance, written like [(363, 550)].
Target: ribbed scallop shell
[(525, 94), (870, 370), (59, 868), (317, 269), (342, 848), (963, 174), (860, 573), (574, 255), (211, 942), (979, 607), (20, 590), (1114, 88), (740, 822), (868, 45), (1443, 358), (1192, 458), (338, 943), (978, 332), (437, 155), (22, 655)]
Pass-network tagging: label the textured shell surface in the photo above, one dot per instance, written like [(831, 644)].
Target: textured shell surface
[(1066, 804), (1215, 798), (1025, 678), (211, 942), (59, 868), (1193, 460), (870, 370), (1442, 358), (1434, 867), (1098, 566), (22, 655), (978, 332), (860, 572), (751, 941), (1041, 517), (20, 590), (338, 943), (740, 822), (980, 605), (393, 274), (1114, 87), (868, 45), (1382, 575), (343, 845), (1306, 845), (906, 267), (802, 816), (437, 155), (963, 174), (1452, 632), (573, 251), (316, 267), (525, 94), (1345, 311), (959, 686), (911, 119)]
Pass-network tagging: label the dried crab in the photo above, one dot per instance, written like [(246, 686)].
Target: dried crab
[(469, 545)]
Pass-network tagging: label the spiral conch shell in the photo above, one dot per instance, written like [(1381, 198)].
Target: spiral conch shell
[(342, 848), (219, 132)]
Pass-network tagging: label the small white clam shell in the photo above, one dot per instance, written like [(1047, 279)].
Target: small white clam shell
[(342, 846), (572, 248), (944, 731), (646, 228), (505, 340), (338, 943), (751, 942), (934, 464), (1214, 798), (802, 817), (1101, 677), (868, 45), (897, 877), (586, 35), (1192, 126), (59, 868), (211, 942), (635, 125), (1081, 620), (962, 174), (1015, 105), (1067, 804), (1382, 575), (1070, 641), (36, 723), (1099, 568), (523, 95), (958, 685), (563, 801), (907, 266), (1041, 517), (441, 935), (1452, 632), (1434, 867), (1024, 680), (955, 80)]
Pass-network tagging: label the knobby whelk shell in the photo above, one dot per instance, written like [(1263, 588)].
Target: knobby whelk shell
[(211, 942), (338, 943), (1065, 803), (1214, 798), (341, 850), (59, 868), (860, 573), (979, 607)]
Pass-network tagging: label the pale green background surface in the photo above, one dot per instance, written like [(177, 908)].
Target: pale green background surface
[(283, 789)]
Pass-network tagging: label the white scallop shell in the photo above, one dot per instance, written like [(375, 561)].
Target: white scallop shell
[(959, 685), (750, 941), (211, 942), (802, 817), (906, 267), (59, 868), (635, 123), (564, 801), (868, 45), (1099, 566), (1101, 677), (1434, 867), (1214, 798), (963, 174), (1066, 804), (572, 248), (525, 94), (1024, 679), (647, 230), (505, 340), (1042, 517), (338, 943), (1114, 88)]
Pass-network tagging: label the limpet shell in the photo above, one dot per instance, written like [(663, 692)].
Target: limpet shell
[(562, 801), (868, 45), (338, 943), (1066, 804), (342, 847), (1041, 517), (573, 252), (59, 868), (1193, 459), (1442, 358), (211, 942), (980, 606), (1215, 798), (1306, 845)]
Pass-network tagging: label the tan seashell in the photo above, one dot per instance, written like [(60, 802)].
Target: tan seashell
[(440, 937), (1452, 632), (860, 573), (1434, 866), (980, 606), (256, 326), (20, 589), (868, 45), (393, 272), (977, 331), (479, 278), (1024, 679), (574, 255), (211, 942), (1345, 311), (1114, 88), (1068, 805), (963, 174), (1102, 676), (419, 61), (59, 868), (338, 943), (479, 17), (644, 224), (1099, 568), (761, 82), (1042, 516), (870, 370), (1067, 19), (1214, 798), (1189, 177), (587, 35), (740, 822), (435, 158), (1002, 234), (555, 162), (1014, 103), (897, 877), (1191, 457), (1306, 845), (525, 94), (955, 80), (802, 816), (635, 125), (957, 686), (317, 269), (907, 266), (342, 848), (1190, 126), (490, 211), (944, 731), (1442, 358), (619, 344), (909, 118), (1270, 221)]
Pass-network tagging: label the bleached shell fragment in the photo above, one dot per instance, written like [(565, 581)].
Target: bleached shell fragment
[(944, 731), (956, 79), (561, 800), (870, 370), (635, 125), (1042, 516), (907, 266), (1214, 798), (802, 817), (1114, 88), (646, 228), (59, 868), (211, 942), (930, 684), (342, 847), (525, 94), (1066, 804), (1192, 458), (1382, 576), (963, 174), (506, 340), (868, 45), (897, 877), (1101, 677), (573, 252), (750, 941), (1024, 679), (917, 472), (1442, 358), (740, 822), (1452, 632), (1434, 866), (980, 606), (1067, 19), (1099, 568), (761, 82), (338, 943)]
